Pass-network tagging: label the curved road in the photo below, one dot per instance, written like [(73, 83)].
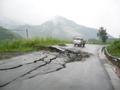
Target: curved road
[(88, 74)]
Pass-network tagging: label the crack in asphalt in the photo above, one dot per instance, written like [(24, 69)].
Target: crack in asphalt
[(42, 59), (25, 73), (68, 55), (57, 69), (3, 69), (35, 61)]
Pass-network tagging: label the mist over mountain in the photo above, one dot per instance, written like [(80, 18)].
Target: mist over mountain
[(57, 27), (8, 23)]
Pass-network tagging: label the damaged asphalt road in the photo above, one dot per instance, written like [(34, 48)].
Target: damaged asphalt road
[(56, 69), (38, 63)]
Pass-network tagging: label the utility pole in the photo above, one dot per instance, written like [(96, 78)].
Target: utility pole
[(27, 33)]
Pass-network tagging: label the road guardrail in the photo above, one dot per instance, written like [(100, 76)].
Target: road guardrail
[(113, 59)]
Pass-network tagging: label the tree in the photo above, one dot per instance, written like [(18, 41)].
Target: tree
[(102, 34)]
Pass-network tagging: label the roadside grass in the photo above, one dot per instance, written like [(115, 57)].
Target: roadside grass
[(97, 41), (26, 45), (114, 48)]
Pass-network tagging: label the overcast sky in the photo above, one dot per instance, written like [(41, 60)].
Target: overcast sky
[(92, 13)]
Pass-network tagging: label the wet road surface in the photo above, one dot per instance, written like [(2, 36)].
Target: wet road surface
[(47, 71)]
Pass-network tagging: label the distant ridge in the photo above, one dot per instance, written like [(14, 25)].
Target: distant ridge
[(58, 27)]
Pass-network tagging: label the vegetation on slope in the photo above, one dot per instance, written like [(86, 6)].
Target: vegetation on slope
[(114, 48), (6, 34)]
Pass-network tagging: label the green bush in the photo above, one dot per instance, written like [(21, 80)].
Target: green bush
[(114, 48)]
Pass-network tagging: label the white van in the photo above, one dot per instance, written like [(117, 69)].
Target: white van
[(77, 41)]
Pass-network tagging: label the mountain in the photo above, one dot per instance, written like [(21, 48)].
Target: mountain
[(61, 27), (58, 27), (7, 34)]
